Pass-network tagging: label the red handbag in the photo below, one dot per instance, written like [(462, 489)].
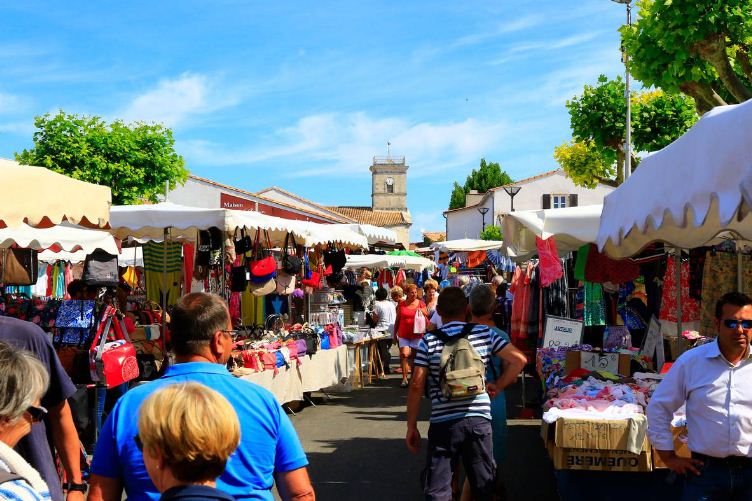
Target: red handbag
[(314, 281), (118, 364), (264, 266)]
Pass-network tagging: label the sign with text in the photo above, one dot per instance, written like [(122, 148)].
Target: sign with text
[(652, 345), (608, 362), (562, 332)]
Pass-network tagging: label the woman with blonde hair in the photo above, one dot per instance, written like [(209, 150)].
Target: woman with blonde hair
[(431, 289), (187, 432), (405, 328)]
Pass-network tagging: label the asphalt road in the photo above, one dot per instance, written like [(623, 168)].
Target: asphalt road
[(356, 447)]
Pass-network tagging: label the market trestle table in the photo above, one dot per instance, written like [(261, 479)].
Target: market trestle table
[(323, 369), (375, 367)]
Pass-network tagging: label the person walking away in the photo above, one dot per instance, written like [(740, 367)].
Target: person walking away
[(460, 422), (714, 381), (269, 450), (23, 383), (384, 314), (187, 432), (35, 447), (405, 329)]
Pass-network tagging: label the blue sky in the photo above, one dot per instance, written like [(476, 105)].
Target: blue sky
[(303, 94)]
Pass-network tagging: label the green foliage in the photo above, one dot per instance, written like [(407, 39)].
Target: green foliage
[(491, 233), (487, 176), (699, 48), (584, 163), (659, 118), (134, 160)]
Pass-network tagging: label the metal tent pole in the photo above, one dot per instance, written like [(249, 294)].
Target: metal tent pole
[(679, 313)]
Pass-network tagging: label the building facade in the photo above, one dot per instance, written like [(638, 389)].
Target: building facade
[(550, 190)]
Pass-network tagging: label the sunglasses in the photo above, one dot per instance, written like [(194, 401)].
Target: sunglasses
[(36, 413), (139, 443), (734, 324), (233, 334)]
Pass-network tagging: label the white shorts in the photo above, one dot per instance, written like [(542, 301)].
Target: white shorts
[(412, 343)]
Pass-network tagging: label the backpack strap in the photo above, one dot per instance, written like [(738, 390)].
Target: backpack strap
[(8, 476)]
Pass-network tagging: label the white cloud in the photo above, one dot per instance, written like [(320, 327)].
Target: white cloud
[(346, 142), (10, 103), (175, 101), (21, 128)]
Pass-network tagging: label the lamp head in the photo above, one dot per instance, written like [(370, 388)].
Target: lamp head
[(626, 2), (512, 190)]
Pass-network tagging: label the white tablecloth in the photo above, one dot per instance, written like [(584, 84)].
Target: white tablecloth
[(323, 369)]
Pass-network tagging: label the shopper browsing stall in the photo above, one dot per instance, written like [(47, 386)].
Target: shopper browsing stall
[(384, 314), (714, 382)]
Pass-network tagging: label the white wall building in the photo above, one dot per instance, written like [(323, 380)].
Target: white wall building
[(549, 190)]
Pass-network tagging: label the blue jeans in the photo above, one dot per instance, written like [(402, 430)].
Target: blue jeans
[(719, 482)]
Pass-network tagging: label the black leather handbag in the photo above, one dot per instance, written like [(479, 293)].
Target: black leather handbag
[(291, 263)]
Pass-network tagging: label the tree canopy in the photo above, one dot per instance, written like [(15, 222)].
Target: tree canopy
[(491, 232), (134, 160), (699, 48), (488, 175), (598, 122)]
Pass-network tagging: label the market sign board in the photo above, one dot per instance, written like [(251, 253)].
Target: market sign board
[(652, 345), (561, 332), (608, 362)]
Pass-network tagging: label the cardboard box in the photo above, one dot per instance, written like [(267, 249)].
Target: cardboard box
[(581, 444), (575, 358), (680, 446)]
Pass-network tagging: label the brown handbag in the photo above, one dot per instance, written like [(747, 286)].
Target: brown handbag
[(18, 266)]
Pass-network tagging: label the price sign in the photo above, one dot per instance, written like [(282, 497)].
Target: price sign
[(652, 345), (562, 332), (597, 362)]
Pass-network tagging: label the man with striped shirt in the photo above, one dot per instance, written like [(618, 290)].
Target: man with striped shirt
[(459, 429)]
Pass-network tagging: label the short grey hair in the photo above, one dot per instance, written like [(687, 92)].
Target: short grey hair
[(482, 300), (497, 280), (195, 319), (23, 382), (463, 280)]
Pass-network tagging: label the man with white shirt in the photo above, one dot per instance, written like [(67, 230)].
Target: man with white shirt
[(715, 381)]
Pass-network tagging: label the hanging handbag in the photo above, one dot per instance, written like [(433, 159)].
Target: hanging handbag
[(242, 244), (101, 269), (291, 263), (263, 266), (263, 289), (335, 258), (112, 363), (238, 274), (74, 321), (285, 283), (18, 266), (203, 249)]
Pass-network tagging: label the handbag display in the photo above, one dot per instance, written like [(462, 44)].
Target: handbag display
[(336, 258), (242, 244), (18, 266), (262, 289), (238, 275), (101, 269), (291, 263), (112, 363), (74, 321), (262, 267), (285, 283)]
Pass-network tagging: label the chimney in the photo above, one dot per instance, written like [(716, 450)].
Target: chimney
[(473, 198)]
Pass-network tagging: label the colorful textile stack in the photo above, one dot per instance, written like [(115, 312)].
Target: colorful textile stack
[(550, 362)]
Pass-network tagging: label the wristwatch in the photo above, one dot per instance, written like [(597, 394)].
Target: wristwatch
[(70, 486)]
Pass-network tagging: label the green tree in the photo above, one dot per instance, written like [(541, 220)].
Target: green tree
[(699, 48), (491, 232), (598, 122), (487, 176), (134, 160)]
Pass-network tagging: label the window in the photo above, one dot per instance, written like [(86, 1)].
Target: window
[(559, 201), (390, 188)]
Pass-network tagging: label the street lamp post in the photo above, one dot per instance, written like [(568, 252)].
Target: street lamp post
[(483, 211), (512, 191), (625, 58)]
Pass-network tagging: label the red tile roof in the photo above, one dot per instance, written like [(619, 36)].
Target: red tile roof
[(366, 215)]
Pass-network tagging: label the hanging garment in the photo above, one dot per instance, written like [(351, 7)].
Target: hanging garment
[(696, 266), (581, 262), (130, 277), (40, 287), (719, 277), (520, 287), (189, 250), (550, 266), (154, 266), (601, 268), (690, 307), (534, 311), (475, 258), (555, 300), (595, 309)]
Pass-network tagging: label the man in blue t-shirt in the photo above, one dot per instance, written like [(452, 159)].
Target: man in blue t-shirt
[(459, 429), (269, 450)]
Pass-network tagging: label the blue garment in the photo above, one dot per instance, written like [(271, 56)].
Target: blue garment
[(268, 442), (498, 405), (195, 493)]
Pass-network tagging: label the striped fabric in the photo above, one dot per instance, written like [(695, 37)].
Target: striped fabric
[(154, 257), (20, 490), (486, 342)]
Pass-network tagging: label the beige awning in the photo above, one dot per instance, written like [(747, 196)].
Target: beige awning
[(40, 197)]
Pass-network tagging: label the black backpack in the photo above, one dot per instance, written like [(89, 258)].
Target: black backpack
[(101, 269)]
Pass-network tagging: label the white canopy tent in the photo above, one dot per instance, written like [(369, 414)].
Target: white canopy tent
[(65, 237), (572, 227), (467, 245), (355, 262), (40, 197), (374, 234), (689, 192)]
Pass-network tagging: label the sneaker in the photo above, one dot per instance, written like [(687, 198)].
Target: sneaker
[(404, 384)]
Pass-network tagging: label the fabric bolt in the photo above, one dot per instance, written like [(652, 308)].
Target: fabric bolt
[(486, 342), (550, 266), (594, 312), (719, 277), (690, 307)]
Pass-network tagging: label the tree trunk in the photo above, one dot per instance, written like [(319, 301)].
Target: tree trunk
[(742, 57), (713, 50), (705, 97), (620, 159)]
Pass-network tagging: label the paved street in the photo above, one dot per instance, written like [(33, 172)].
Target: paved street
[(355, 443)]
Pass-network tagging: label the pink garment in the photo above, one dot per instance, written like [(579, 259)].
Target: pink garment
[(550, 265), (188, 263), (690, 306)]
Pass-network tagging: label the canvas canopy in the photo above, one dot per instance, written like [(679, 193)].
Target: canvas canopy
[(374, 234), (355, 262), (40, 197), (571, 227), (688, 193), (63, 237), (467, 245)]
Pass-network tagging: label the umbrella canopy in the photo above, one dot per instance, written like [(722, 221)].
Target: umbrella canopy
[(40, 197), (63, 237), (571, 227), (467, 245), (689, 192)]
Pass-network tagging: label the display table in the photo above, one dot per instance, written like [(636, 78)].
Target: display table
[(323, 369), (375, 367)]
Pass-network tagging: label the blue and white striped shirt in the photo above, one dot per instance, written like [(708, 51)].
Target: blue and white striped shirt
[(486, 342)]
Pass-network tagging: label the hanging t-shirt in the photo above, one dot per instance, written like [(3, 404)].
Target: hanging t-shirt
[(550, 265)]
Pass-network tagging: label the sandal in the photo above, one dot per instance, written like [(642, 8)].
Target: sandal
[(404, 384)]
